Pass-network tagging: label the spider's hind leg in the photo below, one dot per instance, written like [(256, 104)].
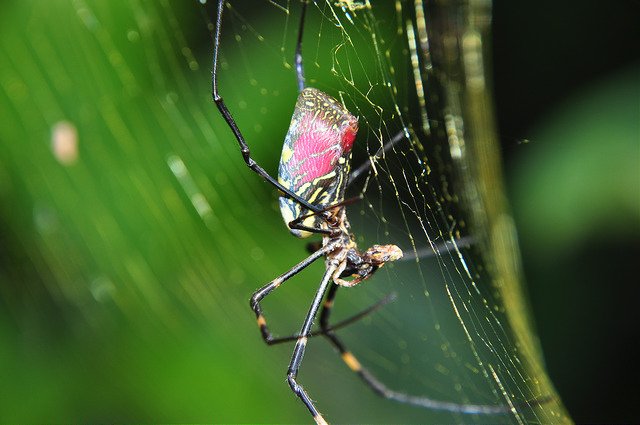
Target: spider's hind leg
[(355, 174), (342, 324), (379, 387), (349, 359)]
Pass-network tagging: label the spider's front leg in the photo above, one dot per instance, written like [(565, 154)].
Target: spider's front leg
[(301, 343), (226, 114), (275, 283)]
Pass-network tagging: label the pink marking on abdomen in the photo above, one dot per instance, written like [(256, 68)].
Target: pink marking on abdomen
[(315, 155)]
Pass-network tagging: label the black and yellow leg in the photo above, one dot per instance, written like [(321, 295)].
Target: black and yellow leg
[(297, 223), (344, 323), (355, 174), (222, 107), (301, 343), (381, 389), (275, 283), (349, 359), (298, 55)]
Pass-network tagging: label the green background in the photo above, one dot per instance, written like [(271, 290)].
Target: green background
[(79, 344)]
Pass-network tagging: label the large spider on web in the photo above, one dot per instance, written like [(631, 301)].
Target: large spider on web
[(313, 175)]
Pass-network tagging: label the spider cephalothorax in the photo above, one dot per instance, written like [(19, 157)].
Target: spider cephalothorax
[(349, 261)]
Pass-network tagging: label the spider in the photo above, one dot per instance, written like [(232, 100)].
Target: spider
[(313, 175)]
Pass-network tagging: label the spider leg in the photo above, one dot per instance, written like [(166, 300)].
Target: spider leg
[(355, 174), (298, 56), (244, 148), (380, 388), (296, 223), (298, 351), (344, 323), (275, 283), (438, 248)]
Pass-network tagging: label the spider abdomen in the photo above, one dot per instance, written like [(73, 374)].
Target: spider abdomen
[(316, 155)]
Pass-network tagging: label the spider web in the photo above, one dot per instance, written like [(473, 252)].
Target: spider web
[(173, 232), (459, 330)]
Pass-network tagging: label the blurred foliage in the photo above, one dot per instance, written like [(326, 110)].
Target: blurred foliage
[(591, 167), (576, 195), (116, 294)]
